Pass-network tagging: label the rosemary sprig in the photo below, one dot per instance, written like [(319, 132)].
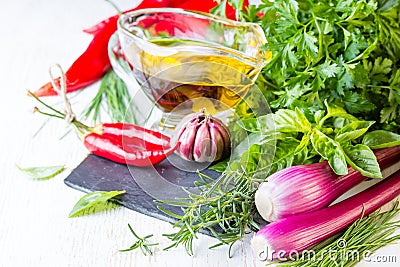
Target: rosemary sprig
[(223, 207), (140, 243), (114, 96), (362, 238)]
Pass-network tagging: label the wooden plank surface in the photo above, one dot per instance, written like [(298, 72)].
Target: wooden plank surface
[(34, 226)]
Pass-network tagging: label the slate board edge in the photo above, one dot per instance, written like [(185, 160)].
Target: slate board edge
[(140, 210), (157, 216), (143, 211)]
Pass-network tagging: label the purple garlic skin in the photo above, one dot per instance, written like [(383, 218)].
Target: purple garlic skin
[(203, 138)]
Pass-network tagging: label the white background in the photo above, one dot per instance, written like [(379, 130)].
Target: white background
[(34, 226)]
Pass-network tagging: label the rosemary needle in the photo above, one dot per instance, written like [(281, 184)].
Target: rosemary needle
[(140, 243), (114, 97)]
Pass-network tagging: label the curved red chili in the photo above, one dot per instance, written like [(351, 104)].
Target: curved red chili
[(134, 135), (94, 62), (110, 147), (87, 69)]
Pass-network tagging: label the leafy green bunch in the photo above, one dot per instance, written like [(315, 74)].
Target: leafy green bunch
[(335, 69), (335, 136), (333, 87), (344, 52)]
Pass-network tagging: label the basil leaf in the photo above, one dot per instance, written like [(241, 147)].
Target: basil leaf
[(305, 140), (285, 153), (330, 150), (287, 121), (381, 139), (384, 5), (256, 125), (250, 159), (244, 146), (92, 199), (256, 151), (318, 116), (250, 125), (303, 121), (353, 130), (362, 159), (43, 172), (220, 166), (336, 111)]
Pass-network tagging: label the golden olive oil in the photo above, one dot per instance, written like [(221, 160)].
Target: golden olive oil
[(189, 70)]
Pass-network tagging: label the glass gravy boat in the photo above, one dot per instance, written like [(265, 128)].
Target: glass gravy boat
[(185, 61)]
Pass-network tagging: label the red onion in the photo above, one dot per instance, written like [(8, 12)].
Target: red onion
[(306, 188), (301, 231)]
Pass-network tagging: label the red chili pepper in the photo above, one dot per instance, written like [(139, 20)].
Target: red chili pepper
[(94, 62), (134, 135), (88, 68), (111, 147), (119, 142)]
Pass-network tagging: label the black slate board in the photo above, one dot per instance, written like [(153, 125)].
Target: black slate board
[(99, 174)]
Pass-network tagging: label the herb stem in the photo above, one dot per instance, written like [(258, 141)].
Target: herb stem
[(44, 104), (36, 109)]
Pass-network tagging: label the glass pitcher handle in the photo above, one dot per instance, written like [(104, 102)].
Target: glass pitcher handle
[(119, 64)]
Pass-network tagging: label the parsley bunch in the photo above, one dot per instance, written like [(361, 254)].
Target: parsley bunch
[(345, 52)]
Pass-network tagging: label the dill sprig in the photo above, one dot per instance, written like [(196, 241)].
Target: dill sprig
[(114, 97), (361, 239)]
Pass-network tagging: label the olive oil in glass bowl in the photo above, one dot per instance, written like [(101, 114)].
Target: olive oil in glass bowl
[(185, 61)]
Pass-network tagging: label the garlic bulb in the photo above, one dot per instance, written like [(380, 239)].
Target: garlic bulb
[(202, 138)]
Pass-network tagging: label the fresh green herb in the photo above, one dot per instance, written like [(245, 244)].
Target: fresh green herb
[(381, 139), (113, 95), (225, 207), (43, 172), (334, 79), (220, 166), (92, 199), (341, 51), (140, 243), (319, 138), (362, 238)]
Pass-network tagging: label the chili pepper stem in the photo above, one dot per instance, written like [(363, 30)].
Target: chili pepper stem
[(44, 104), (36, 109), (82, 128), (62, 90), (114, 6)]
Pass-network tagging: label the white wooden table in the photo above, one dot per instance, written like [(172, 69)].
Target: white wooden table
[(34, 226)]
